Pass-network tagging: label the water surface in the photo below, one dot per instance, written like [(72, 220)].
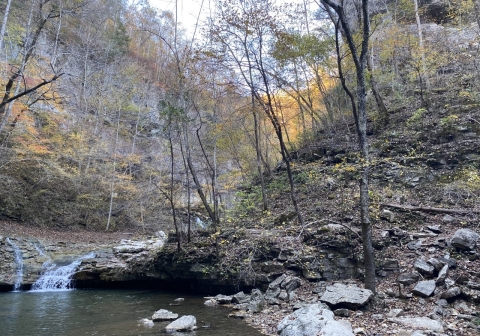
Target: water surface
[(107, 312)]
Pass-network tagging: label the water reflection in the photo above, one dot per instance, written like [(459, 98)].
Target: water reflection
[(95, 312)]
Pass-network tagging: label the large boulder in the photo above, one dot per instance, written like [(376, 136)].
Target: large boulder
[(315, 319), (339, 295), (184, 323), (163, 315), (465, 239)]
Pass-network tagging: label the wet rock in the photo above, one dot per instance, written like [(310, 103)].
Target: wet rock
[(316, 319), (424, 288), (347, 296), (451, 293), (163, 315), (179, 300), (465, 239), (238, 314), (422, 323), (210, 303), (423, 267), (408, 278), (146, 323), (184, 323), (223, 299)]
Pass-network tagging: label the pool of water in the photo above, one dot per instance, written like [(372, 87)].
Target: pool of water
[(107, 312)]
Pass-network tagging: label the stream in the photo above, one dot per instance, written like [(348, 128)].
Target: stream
[(107, 312)]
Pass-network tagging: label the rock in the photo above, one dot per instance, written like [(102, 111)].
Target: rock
[(256, 306), (423, 267), (408, 278), (422, 323), (146, 323), (465, 239), (315, 319), (210, 303), (471, 294), (291, 283), (442, 275), (163, 315), (424, 288), (256, 294), (451, 293), (283, 295), (276, 283), (463, 308), (395, 313), (179, 300), (434, 228), (348, 296), (448, 219), (184, 323), (223, 299), (238, 314), (387, 214), (343, 312), (240, 297)]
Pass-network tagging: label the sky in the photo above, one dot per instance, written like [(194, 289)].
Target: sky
[(187, 11)]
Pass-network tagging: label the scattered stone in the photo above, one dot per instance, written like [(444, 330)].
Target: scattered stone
[(146, 323), (283, 295), (434, 228), (290, 283), (442, 303), (463, 308), (449, 282), (358, 331), (184, 323), (343, 312), (424, 288), (465, 239), (315, 319), (395, 313), (451, 293), (442, 275), (163, 315), (423, 267), (422, 323), (471, 294), (348, 296), (408, 278), (448, 219)]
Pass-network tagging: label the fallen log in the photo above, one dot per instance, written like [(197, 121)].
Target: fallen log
[(430, 209)]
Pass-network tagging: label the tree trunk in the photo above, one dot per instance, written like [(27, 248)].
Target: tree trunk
[(4, 23), (382, 109)]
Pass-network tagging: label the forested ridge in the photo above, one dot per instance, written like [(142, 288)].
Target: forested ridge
[(266, 116)]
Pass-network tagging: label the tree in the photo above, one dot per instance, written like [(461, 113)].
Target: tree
[(360, 114)]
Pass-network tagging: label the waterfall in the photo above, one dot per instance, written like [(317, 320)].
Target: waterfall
[(59, 279), (19, 262)]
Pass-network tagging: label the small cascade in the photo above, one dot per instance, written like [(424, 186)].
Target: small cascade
[(59, 279), (46, 264), (19, 262)]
